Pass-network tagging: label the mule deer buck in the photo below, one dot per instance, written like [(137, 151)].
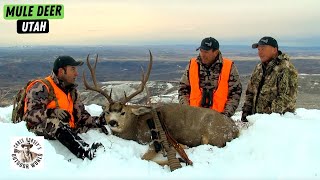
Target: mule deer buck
[(191, 126)]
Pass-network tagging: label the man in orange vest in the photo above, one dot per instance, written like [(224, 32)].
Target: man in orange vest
[(53, 109), (211, 81)]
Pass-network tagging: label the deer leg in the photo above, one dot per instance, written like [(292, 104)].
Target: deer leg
[(183, 146), (204, 139), (151, 155)]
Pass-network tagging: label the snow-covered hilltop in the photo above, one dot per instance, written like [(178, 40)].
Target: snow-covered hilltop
[(273, 147)]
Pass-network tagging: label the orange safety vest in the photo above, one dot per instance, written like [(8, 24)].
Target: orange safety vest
[(65, 101), (220, 96)]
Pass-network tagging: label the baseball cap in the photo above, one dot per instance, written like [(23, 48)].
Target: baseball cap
[(209, 43), (267, 40), (63, 61)]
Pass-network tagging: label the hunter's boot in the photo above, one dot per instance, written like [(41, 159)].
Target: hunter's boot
[(75, 144)]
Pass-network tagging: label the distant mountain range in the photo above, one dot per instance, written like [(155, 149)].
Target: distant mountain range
[(140, 53), (21, 63), (123, 63)]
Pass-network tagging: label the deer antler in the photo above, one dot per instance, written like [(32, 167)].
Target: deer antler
[(94, 79), (144, 80)]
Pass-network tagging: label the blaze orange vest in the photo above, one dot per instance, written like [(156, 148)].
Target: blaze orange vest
[(64, 101), (220, 96)]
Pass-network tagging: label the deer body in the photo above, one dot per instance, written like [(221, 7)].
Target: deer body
[(191, 126)]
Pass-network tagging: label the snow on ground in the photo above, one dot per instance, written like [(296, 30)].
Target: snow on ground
[(273, 147)]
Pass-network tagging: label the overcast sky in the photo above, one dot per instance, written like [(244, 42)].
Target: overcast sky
[(130, 22)]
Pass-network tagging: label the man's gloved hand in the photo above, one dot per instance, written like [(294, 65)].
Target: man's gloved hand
[(101, 122), (61, 114), (104, 130), (244, 117)]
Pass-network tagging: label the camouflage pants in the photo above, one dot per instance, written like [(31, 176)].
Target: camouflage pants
[(48, 128)]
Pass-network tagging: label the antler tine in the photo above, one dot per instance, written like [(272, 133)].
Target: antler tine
[(94, 79), (95, 63), (92, 71), (144, 80), (142, 77), (110, 93)]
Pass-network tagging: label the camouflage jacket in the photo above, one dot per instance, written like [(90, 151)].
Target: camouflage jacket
[(37, 100), (209, 77), (272, 87)]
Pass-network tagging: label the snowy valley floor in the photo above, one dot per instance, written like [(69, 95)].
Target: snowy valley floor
[(273, 147)]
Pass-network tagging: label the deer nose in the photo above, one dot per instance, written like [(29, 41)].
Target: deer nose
[(113, 123)]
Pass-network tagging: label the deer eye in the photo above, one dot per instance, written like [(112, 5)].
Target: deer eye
[(107, 112), (123, 113)]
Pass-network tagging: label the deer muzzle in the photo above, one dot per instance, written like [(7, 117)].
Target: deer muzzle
[(113, 123)]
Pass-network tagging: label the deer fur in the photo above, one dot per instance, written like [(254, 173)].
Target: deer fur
[(191, 126)]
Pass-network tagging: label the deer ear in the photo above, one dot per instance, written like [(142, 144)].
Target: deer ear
[(141, 110)]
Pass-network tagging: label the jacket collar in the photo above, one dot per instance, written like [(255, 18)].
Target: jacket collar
[(61, 83), (218, 60), (267, 68)]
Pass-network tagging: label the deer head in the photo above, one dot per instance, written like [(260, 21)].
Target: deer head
[(117, 113)]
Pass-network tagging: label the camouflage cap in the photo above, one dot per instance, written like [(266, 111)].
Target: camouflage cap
[(267, 40)]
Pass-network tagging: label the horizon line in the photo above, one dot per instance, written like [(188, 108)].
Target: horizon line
[(142, 45)]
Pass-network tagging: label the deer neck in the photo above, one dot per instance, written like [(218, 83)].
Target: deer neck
[(143, 131), (138, 131), (130, 133)]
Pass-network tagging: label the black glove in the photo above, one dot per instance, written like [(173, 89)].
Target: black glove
[(101, 120), (104, 130), (61, 114), (244, 118)]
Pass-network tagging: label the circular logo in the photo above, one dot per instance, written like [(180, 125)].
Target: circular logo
[(27, 152)]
